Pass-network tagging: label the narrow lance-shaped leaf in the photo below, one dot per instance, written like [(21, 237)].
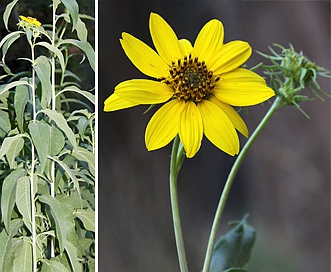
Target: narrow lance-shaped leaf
[(71, 251), (83, 154), (62, 124), (23, 200), (15, 148), (21, 98), (87, 217), (7, 13), (234, 248), (84, 46), (62, 217), (23, 260), (8, 195), (43, 70), (73, 9), (56, 51)]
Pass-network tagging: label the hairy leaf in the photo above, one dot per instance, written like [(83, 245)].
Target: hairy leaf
[(62, 124), (84, 46), (87, 217), (56, 51), (5, 125), (53, 265), (21, 98), (73, 9), (83, 154), (8, 195), (43, 70), (88, 95), (234, 248), (7, 13), (23, 200), (71, 251), (11, 147), (23, 255), (62, 217)]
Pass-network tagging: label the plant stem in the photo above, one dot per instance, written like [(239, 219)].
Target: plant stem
[(52, 183), (175, 165), (32, 189), (228, 184)]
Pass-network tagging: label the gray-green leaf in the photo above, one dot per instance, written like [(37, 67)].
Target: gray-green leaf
[(234, 248), (23, 200), (52, 265), (83, 154), (8, 195), (87, 217), (43, 70)]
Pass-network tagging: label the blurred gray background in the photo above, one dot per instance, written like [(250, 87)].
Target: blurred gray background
[(284, 183)]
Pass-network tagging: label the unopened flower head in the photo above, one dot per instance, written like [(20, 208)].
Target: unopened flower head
[(291, 73), (198, 83)]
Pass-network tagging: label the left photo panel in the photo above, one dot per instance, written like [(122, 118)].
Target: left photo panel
[(47, 135)]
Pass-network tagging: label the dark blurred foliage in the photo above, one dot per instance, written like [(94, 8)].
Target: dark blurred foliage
[(284, 182)]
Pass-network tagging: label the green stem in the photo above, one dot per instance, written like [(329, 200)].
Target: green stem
[(175, 164), (32, 189), (52, 183), (228, 184)]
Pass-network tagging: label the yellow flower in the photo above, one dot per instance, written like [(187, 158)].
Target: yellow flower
[(30, 20), (199, 85)]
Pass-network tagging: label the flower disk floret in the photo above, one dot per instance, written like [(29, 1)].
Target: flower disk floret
[(199, 85)]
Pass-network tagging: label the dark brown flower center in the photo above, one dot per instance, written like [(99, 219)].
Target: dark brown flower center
[(190, 79)]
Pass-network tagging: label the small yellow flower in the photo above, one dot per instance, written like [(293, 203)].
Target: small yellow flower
[(30, 20), (199, 85)]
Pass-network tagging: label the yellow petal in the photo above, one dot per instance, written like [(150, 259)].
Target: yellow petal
[(114, 102), (209, 38), (191, 129), (230, 56), (164, 39), (218, 128), (144, 91), (185, 47), (164, 125), (242, 75), (240, 93), (144, 57), (235, 118)]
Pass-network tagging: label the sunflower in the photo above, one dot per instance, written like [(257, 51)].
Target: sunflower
[(198, 85), (30, 20)]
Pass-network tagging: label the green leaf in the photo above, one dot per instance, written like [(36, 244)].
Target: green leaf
[(7, 245), (40, 134), (5, 43), (68, 172), (43, 70), (62, 124), (52, 265), (23, 255), (83, 154), (7, 13), (87, 217), (57, 141), (81, 30), (21, 98), (5, 125), (8, 195), (15, 144), (11, 147), (84, 46), (6, 87), (62, 215), (56, 51), (234, 248), (73, 9), (88, 95), (23, 200), (71, 251)]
